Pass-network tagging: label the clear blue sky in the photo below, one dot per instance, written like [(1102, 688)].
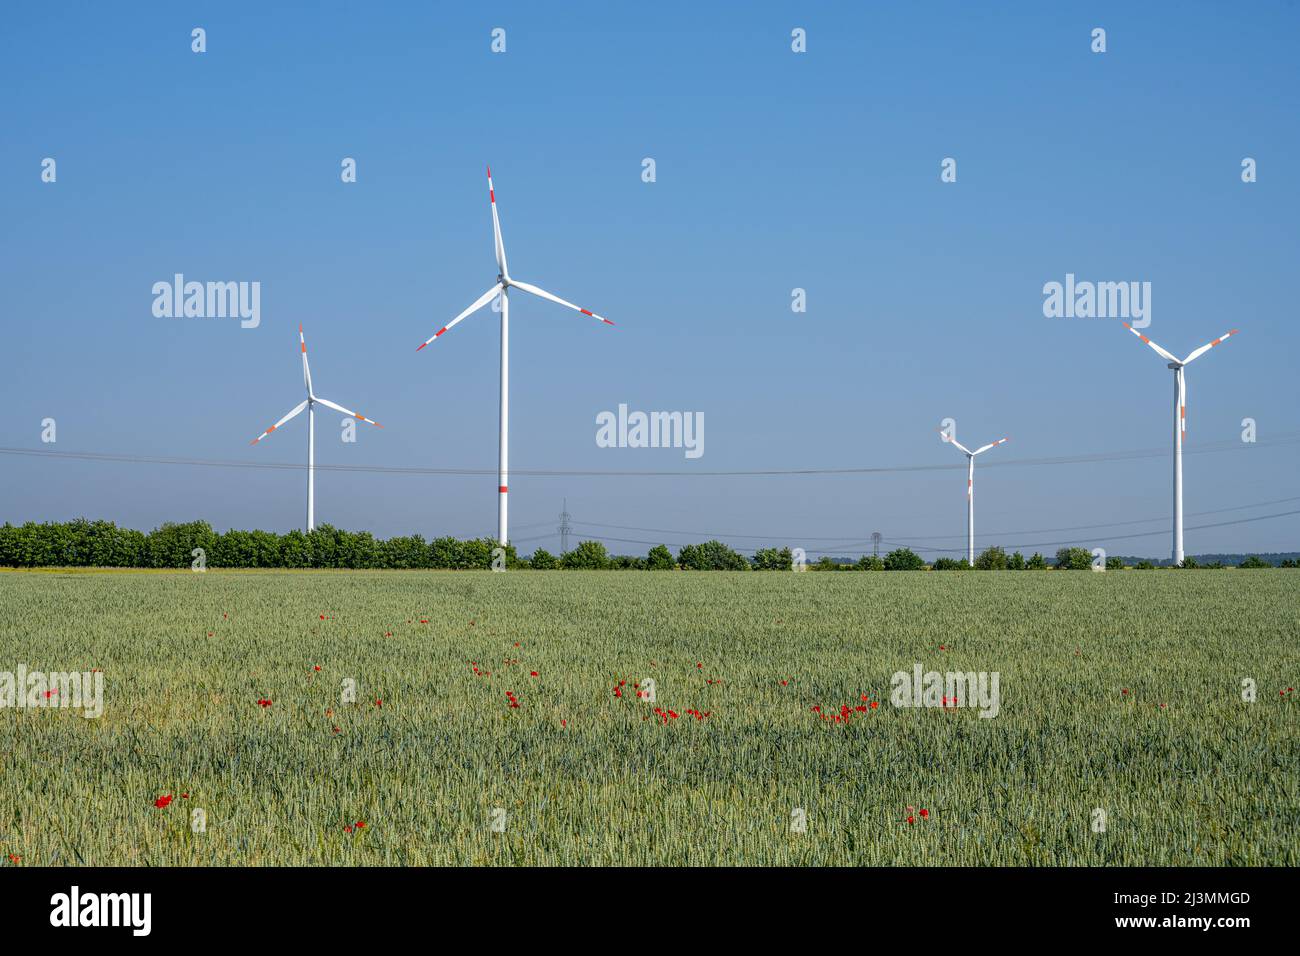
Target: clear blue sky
[(775, 170)]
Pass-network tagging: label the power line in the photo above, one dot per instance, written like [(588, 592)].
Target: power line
[(700, 535), (1132, 455), (904, 543)]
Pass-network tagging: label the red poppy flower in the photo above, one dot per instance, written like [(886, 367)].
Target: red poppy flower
[(263, 702), (317, 667), (924, 812), (361, 824), (14, 859), (322, 617), (185, 795), (532, 673), (163, 801), (911, 819)]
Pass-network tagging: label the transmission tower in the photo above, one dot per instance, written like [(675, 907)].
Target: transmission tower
[(565, 528), (875, 543)]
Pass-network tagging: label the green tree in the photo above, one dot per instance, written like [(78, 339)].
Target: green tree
[(543, 560), (1036, 563), (172, 545), (587, 556), (903, 559), (870, 562), (1114, 564), (1254, 561), (406, 552), (660, 559), (711, 556), (1016, 562), (1074, 559), (772, 559), (992, 559)]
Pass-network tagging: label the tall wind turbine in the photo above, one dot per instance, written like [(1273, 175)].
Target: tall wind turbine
[(503, 286), (1180, 424), (970, 490), (310, 404)]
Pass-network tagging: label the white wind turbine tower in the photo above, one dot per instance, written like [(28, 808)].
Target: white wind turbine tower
[(310, 403), (970, 490), (1180, 424), (503, 286)]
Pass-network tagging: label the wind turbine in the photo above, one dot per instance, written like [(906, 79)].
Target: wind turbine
[(503, 286), (310, 404), (1180, 424), (970, 489)]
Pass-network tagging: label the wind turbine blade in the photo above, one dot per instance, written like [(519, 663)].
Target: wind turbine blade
[(952, 441), (481, 301), (542, 293), (496, 226), (297, 409), (348, 412), (1158, 349), (992, 444), (1205, 348), (1182, 405), (306, 369)]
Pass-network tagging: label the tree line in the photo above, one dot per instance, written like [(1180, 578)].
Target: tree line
[(85, 543)]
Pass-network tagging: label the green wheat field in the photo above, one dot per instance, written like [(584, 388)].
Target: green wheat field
[(1120, 692)]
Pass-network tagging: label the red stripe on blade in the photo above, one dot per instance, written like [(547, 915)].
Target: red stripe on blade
[(502, 489)]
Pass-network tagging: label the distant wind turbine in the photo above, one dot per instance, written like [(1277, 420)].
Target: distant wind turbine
[(310, 404), (502, 286), (970, 490), (1180, 424)]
